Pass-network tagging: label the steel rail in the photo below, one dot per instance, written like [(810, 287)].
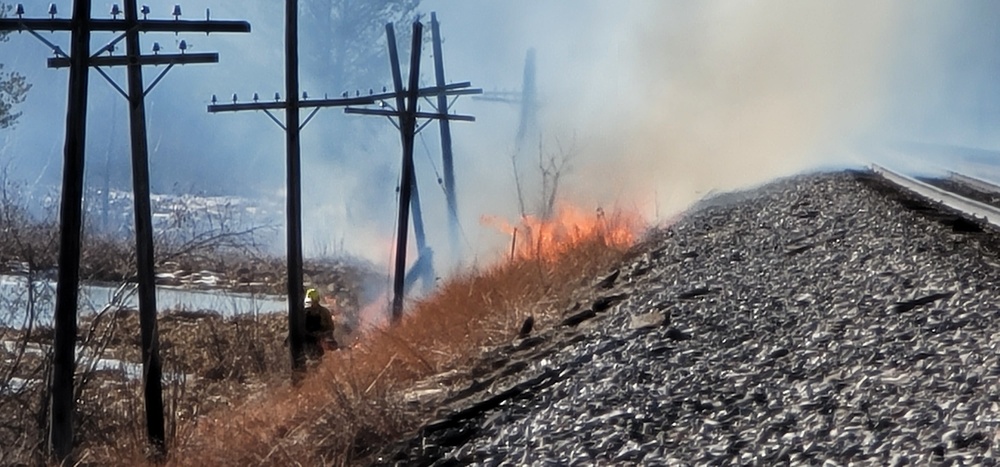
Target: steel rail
[(965, 206), (973, 182)]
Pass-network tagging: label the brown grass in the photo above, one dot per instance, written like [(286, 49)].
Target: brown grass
[(226, 390), (350, 405)]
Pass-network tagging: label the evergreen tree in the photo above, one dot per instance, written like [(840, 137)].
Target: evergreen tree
[(356, 57)]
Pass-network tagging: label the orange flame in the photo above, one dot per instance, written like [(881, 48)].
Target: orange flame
[(569, 227)]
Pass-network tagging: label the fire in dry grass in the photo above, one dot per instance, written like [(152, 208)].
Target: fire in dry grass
[(570, 226), (352, 403)]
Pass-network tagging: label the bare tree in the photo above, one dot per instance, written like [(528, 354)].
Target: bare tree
[(28, 246), (553, 165), (13, 87), (522, 209)]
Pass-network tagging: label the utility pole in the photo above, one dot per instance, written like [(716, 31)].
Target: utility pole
[(407, 115), (296, 316), (79, 61), (423, 268), (445, 126), (62, 403), (151, 369), (293, 125), (408, 131), (528, 99)]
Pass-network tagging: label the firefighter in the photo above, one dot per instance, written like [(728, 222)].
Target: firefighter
[(319, 327)]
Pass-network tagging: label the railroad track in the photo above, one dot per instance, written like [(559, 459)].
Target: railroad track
[(964, 206), (974, 183)]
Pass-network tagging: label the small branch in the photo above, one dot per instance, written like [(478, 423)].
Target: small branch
[(387, 365)]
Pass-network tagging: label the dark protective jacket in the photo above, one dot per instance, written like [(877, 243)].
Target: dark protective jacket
[(319, 327)]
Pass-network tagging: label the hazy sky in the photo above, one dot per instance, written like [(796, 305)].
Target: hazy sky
[(658, 102)]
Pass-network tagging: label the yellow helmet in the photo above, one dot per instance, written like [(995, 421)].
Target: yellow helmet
[(312, 294)]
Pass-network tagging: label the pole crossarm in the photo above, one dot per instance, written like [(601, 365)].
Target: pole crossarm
[(160, 59), (428, 115), (113, 25), (280, 105), (506, 97), (454, 89)]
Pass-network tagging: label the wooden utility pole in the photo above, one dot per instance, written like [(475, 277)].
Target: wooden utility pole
[(423, 269), (79, 61), (152, 372), (528, 99), (407, 114), (296, 317), (444, 125), (292, 125), (62, 403), (408, 131)]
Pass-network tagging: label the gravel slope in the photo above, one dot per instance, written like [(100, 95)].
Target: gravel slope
[(824, 317)]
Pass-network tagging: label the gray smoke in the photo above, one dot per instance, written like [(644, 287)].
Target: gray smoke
[(658, 102)]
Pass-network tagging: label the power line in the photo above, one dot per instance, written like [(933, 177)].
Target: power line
[(430, 159), (452, 208)]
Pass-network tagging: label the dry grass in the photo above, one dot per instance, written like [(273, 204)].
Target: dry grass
[(226, 390), (349, 406)]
